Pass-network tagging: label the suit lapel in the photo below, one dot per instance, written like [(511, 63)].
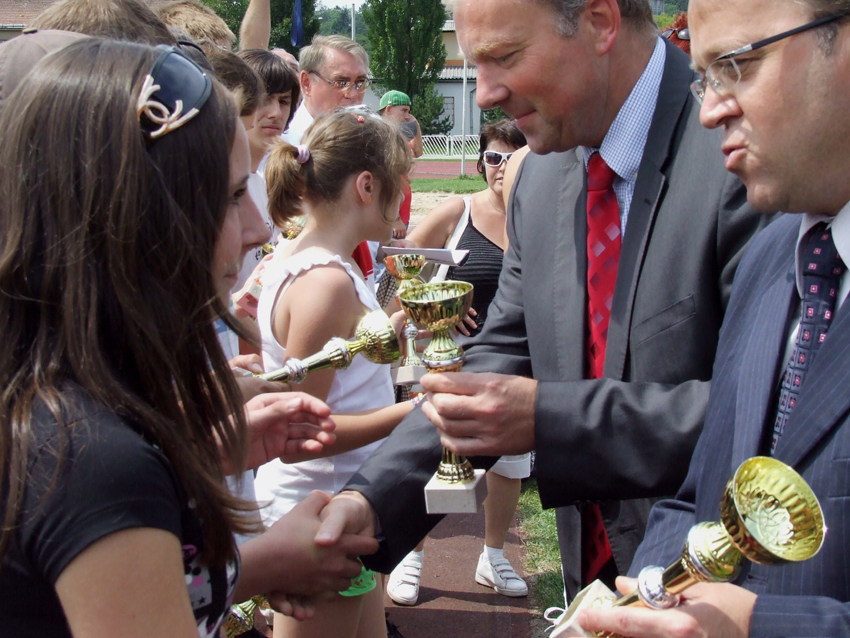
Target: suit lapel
[(649, 188), (569, 265), (760, 356), (824, 397)]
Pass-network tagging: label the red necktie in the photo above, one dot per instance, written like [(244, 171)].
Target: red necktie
[(603, 257)]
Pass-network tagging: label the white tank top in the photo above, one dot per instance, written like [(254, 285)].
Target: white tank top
[(364, 385)]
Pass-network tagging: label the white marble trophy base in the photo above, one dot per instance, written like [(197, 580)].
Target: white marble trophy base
[(593, 595), (408, 375), (455, 498)]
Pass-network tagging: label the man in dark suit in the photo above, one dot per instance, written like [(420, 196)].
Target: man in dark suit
[(782, 373), (578, 81)]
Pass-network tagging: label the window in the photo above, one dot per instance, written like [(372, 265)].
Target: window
[(449, 109)]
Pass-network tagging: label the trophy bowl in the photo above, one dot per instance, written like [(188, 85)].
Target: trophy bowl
[(379, 339), (771, 514), (437, 306), (405, 269), (293, 226)]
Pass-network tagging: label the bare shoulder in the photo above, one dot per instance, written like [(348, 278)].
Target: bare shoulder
[(439, 223)]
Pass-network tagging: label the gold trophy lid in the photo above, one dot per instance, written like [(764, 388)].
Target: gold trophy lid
[(437, 306), (771, 513)]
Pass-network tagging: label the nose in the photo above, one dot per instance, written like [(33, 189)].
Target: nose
[(489, 91), (716, 108), (255, 232)]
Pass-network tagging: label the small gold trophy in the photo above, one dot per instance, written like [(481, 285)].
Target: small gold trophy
[(240, 618), (374, 337), (769, 515), (456, 488), (405, 270)]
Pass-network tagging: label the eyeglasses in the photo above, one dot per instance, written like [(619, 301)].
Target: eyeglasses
[(723, 73), (495, 158), (343, 85), (682, 34)]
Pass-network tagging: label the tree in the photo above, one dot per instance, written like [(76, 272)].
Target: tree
[(337, 21), (408, 54), (232, 12)]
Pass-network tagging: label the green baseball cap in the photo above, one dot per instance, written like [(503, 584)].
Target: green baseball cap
[(394, 98)]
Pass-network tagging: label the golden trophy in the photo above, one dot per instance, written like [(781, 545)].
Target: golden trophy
[(769, 515), (240, 618), (374, 338), (456, 487), (405, 270)]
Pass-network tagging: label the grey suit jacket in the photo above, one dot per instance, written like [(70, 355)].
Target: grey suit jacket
[(803, 599), (629, 435)]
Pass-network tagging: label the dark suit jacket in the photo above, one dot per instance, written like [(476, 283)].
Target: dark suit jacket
[(631, 434), (802, 599)]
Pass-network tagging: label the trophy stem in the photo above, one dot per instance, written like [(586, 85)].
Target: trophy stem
[(455, 469), (443, 354), (410, 331)]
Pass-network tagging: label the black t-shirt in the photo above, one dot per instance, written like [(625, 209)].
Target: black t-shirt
[(110, 479)]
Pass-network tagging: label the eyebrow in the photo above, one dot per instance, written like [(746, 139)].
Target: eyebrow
[(485, 49)]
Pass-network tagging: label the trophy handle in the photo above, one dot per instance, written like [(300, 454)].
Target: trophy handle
[(336, 354)]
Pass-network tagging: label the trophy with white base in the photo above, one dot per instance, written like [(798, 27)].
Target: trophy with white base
[(769, 515), (456, 488), (405, 270)]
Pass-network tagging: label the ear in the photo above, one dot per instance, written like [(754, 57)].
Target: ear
[(603, 18), (306, 83), (364, 184)]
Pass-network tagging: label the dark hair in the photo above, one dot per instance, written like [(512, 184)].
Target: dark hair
[(129, 20), (277, 75), (238, 76), (504, 131), (105, 271), (341, 144)]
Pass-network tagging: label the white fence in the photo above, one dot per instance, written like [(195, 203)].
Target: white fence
[(449, 146)]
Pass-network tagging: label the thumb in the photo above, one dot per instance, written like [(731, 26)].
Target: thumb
[(314, 503)]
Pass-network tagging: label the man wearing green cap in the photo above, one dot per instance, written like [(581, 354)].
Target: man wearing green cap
[(395, 107)]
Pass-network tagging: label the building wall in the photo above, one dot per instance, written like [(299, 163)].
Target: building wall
[(454, 90)]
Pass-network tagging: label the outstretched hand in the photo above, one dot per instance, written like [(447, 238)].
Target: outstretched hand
[(347, 513), (286, 424), (718, 610)]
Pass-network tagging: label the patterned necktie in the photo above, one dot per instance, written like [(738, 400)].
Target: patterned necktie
[(603, 257), (822, 269)]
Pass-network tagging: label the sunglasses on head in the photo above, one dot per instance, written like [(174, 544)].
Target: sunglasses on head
[(495, 158)]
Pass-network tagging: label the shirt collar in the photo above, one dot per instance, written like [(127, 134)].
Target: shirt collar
[(622, 147), (840, 225)]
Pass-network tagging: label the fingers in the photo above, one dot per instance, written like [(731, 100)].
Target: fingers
[(251, 362), (348, 512), (461, 383)]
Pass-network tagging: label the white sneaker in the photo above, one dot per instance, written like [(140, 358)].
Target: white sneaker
[(403, 584), (501, 576)]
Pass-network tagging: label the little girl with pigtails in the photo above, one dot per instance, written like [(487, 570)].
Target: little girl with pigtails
[(347, 177)]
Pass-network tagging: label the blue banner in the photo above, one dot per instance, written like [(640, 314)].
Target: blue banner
[(297, 25)]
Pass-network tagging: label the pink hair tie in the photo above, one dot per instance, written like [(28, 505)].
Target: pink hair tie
[(303, 153)]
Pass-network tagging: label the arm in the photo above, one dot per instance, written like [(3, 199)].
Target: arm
[(256, 28), (99, 599), (438, 225), (416, 143)]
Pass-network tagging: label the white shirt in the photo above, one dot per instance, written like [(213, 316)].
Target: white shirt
[(301, 121), (622, 147)]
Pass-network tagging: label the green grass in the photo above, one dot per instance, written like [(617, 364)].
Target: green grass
[(460, 185), (542, 557)]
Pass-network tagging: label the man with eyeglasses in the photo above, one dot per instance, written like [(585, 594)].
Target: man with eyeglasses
[(774, 76), (625, 231), (334, 74)]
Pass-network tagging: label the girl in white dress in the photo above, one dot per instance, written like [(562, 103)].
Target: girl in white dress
[(348, 177)]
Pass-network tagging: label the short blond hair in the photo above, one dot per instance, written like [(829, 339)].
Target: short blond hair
[(199, 21), (312, 57)]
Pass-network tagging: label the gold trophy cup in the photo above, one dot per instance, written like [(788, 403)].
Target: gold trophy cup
[(456, 487), (769, 515), (374, 338), (405, 270)]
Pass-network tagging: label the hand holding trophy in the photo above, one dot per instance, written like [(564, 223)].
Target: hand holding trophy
[(439, 307), (769, 515)]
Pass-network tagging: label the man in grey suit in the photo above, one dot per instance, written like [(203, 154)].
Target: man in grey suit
[(589, 77), (776, 79)]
